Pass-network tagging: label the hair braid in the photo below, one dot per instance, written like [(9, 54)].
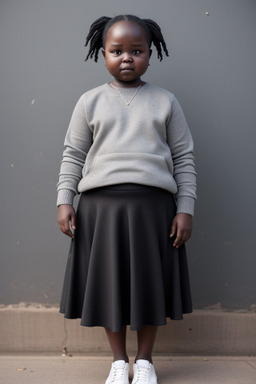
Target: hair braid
[(95, 37), (157, 38), (99, 28)]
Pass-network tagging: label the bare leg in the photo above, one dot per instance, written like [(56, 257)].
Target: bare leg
[(117, 341), (146, 339)]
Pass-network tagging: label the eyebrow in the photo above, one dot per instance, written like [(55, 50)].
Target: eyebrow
[(120, 45)]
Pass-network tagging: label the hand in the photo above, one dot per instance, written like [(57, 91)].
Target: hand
[(182, 228), (66, 214)]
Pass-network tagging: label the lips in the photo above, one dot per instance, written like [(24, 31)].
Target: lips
[(127, 69)]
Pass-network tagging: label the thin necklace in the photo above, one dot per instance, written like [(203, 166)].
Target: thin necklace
[(127, 103)]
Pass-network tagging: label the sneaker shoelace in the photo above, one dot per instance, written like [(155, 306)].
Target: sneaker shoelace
[(119, 370), (143, 373)]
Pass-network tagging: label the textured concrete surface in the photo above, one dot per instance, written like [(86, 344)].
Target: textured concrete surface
[(37, 329), (94, 370)]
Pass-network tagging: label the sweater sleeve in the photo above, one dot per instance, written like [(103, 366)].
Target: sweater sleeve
[(77, 143), (182, 148)]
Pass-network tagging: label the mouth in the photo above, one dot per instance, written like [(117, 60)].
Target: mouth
[(127, 69)]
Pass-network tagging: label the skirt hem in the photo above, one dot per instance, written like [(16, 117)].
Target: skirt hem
[(132, 327)]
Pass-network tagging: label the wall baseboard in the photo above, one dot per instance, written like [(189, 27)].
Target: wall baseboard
[(39, 329)]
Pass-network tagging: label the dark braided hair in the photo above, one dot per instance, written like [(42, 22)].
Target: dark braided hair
[(98, 32)]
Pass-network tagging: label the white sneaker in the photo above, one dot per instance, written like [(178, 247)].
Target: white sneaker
[(144, 372), (119, 373)]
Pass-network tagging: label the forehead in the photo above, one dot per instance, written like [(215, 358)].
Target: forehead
[(126, 30)]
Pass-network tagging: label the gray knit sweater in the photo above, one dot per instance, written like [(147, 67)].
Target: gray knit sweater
[(148, 143)]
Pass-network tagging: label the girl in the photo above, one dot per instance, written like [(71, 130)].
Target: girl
[(129, 152)]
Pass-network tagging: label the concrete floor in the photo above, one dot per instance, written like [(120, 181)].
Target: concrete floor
[(94, 370)]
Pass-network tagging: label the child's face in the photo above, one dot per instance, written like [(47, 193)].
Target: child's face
[(126, 52)]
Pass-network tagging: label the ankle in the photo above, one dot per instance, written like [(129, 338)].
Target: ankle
[(121, 357), (144, 357)]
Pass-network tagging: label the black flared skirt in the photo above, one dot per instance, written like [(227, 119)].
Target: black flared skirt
[(122, 268)]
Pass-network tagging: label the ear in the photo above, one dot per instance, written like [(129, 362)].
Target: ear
[(103, 52), (150, 53)]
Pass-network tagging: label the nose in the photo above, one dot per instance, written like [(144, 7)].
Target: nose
[(127, 58)]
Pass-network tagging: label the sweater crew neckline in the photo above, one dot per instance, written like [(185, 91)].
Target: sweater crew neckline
[(124, 89)]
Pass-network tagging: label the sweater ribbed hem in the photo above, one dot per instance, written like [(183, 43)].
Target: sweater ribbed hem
[(186, 204), (65, 196)]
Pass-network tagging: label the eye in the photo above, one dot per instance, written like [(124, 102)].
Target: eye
[(117, 52), (136, 52)]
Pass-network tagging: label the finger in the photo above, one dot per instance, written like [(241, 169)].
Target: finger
[(177, 242), (73, 221), (66, 230), (69, 233), (71, 229), (180, 238), (173, 228)]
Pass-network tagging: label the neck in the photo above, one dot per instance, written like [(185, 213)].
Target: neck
[(127, 84)]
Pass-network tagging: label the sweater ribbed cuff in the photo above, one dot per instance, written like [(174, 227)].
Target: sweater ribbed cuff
[(65, 196), (186, 204)]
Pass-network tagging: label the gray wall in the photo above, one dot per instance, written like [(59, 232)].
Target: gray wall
[(212, 72)]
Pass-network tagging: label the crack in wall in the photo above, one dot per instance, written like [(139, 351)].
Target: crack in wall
[(65, 340)]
